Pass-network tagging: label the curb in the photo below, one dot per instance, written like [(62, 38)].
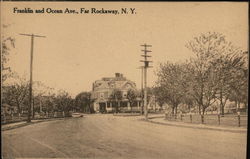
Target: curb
[(196, 127), (127, 115), (26, 124), (16, 126)]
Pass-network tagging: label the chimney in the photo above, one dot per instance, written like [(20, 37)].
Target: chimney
[(117, 75)]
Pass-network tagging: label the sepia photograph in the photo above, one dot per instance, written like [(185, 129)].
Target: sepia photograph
[(124, 80)]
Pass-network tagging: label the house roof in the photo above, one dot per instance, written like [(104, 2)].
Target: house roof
[(113, 83)]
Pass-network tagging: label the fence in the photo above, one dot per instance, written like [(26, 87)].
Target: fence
[(211, 119), (7, 118)]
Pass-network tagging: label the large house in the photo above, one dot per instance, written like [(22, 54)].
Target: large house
[(102, 90)]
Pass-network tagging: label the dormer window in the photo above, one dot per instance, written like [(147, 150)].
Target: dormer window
[(125, 94)]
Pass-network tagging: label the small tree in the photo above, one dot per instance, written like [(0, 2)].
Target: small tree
[(117, 97), (131, 95), (239, 80), (171, 84), (49, 103), (84, 102), (63, 102), (230, 70), (159, 96)]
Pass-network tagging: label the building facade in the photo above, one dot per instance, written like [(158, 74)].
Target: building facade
[(103, 89)]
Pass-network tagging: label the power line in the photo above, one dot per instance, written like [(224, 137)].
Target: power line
[(31, 71)]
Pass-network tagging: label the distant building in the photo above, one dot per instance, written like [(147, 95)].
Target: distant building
[(102, 89)]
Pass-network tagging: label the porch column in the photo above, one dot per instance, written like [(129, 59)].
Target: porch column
[(40, 105), (154, 106), (111, 105), (138, 105), (106, 106), (128, 105)]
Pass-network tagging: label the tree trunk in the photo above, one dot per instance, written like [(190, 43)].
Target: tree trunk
[(237, 105), (222, 109), (172, 111), (142, 108), (199, 108), (116, 107), (33, 109), (203, 110), (119, 103), (222, 104), (89, 108), (236, 108), (12, 117), (18, 111), (175, 113)]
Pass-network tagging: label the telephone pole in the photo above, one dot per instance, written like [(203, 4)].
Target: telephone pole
[(31, 71), (141, 67), (146, 65)]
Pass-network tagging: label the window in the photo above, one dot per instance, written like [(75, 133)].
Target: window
[(101, 95), (105, 94), (124, 104), (125, 94)]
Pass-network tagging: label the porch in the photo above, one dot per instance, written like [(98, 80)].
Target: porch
[(122, 106)]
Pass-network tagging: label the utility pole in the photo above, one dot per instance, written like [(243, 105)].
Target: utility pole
[(31, 71), (146, 65), (141, 67)]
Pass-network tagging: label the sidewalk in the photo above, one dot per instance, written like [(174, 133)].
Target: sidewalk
[(161, 120), (24, 123)]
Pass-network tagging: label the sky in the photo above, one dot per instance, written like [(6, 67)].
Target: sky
[(81, 48)]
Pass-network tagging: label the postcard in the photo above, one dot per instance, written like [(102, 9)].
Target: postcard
[(124, 80)]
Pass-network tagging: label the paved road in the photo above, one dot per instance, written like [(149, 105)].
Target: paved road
[(106, 136)]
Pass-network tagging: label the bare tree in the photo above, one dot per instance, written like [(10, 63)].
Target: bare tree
[(16, 93), (218, 71), (43, 96), (203, 79)]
